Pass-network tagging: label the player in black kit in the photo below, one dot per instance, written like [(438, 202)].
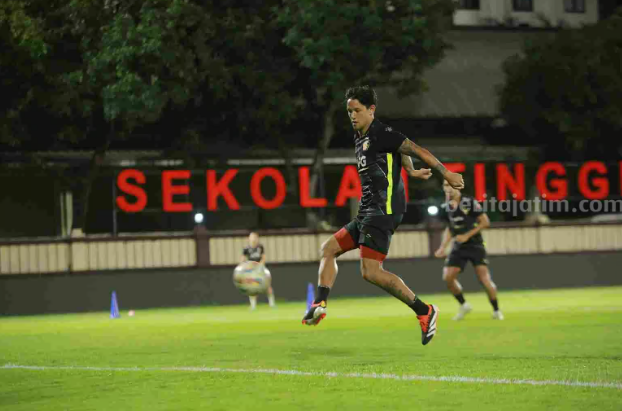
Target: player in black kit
[(255, 252), (466, 220), (380, 152)]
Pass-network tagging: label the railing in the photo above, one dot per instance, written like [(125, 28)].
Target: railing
[(203, 249)]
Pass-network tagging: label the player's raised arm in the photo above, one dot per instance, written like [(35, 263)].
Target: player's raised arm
[(407, 163), (411, 149)]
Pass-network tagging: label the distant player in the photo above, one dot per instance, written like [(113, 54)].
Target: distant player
[(255, 252), (380, 152), (465, 220)]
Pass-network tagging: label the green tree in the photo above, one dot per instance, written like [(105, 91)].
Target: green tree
[(263, 73), (262, 97), (565, 91), (381, 43), (135, 59), (22, 68)]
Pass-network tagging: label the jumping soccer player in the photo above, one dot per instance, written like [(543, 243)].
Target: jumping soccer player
[(380, 152), (255, 252), (465, 220)]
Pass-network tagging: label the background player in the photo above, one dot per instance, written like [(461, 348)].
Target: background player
[(255, 252), (378, 150), (465, 220)]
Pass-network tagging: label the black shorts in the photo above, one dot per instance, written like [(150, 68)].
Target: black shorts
[(459, 257), (372, 234)]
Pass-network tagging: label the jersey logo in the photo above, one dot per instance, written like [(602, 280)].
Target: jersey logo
[(365, 145), (466, 210)]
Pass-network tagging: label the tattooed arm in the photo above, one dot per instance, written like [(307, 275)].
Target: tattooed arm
[(407, 163), (411, 149)]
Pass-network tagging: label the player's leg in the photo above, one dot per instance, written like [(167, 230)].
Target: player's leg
[(253, 300), (373, 272), (450, 276), (271, 301), (483, 275), (376, 240), (329, 252), (453, 267), (337, 244), (270, 291)]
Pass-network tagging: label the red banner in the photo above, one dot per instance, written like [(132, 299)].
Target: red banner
[(551, 179)]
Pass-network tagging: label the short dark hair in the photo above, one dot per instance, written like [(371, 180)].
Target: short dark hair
[(365, 94)]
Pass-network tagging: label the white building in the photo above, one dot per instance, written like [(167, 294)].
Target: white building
[(526, 13)]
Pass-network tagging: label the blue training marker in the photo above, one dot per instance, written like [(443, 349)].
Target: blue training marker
[(114, 306)]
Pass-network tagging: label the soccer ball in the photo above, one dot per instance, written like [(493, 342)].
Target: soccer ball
[(251, 278)]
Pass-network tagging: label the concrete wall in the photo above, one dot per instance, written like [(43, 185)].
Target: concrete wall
[(56, 293)]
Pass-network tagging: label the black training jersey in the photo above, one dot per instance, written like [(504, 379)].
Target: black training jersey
[(463, 218), (380, 169), (253, 253)]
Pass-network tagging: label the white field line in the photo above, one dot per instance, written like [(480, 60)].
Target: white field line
[(472, 380)]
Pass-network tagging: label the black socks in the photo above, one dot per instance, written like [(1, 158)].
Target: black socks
[(322, 294), (460, 298), (419, 307)]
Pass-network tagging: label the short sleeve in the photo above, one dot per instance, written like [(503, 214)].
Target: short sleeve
[(389, 140), (245, 252), (262, 249)]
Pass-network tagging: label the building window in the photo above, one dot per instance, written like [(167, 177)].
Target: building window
[(469, 4), (574, 6), (523, 5)]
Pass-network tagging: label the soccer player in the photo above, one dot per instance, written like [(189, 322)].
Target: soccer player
[(255, 252), (466, 220), (380, 152)]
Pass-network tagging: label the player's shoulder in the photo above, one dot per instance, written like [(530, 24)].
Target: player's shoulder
[(466, 199), (381, 128)]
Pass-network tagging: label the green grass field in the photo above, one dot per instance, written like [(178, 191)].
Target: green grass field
[(227, 358)]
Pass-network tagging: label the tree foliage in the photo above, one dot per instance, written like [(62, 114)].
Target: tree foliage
[(22, 70), (380, 43), (565, 91), (375, 42), (203, 76)]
